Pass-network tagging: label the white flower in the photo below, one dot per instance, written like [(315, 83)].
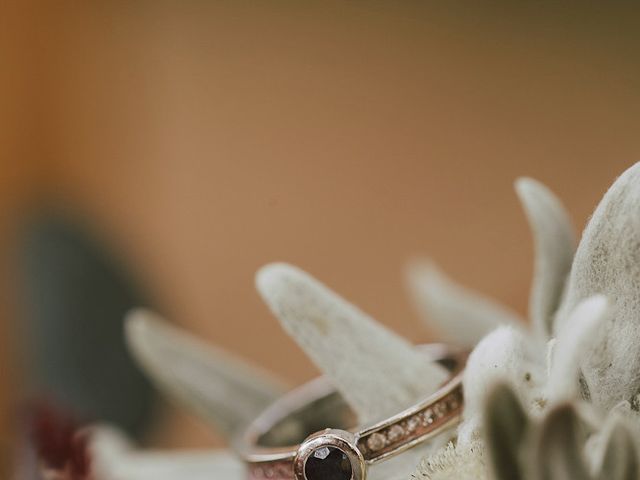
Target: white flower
[(585, 311)]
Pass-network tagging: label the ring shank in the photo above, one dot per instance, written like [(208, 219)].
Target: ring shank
[(270, 444)]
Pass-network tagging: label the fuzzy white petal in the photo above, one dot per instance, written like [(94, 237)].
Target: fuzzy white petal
[(596, 446), (575, 338), (458, 314), (114, 458), (554, 244), (376, 371), (454, 463), (505, 355), (402, 466), (214, 385), (608, 262)]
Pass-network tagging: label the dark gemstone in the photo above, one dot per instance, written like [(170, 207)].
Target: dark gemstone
[(328, 463)]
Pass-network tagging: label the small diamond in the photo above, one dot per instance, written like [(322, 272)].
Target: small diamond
[(322, 453), (395, 433), (376, 442), (440, 409), (453, 402), (427, 417), (413, 423)]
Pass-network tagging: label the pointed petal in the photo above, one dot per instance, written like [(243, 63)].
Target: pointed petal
[(114, 458), (608, 262), (620, 457), (559, 447), (554, 244), (504, 356), (505, 426), (460, 315), (578, 335), (376, 371), (222, 389)]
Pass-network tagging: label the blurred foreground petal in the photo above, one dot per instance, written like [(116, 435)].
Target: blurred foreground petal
[(209, 382), (114, 458), (554, 244), (459, 315)]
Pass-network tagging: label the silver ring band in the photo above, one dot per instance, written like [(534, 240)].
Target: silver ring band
[(280, 443)]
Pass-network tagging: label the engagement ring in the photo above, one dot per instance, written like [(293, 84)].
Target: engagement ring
[(280, 443)]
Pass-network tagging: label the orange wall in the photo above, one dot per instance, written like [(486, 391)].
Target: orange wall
[(18, 151)]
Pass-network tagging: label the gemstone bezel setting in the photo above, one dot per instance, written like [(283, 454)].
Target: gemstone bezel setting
[(333, 439)]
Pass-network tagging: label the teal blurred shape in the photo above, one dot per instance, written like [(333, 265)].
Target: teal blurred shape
[(76, 294)]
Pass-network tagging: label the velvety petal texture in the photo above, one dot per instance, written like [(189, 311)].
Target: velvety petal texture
[(608, 262), (582, 331), (504, 356), (454, 463), (375, 370)]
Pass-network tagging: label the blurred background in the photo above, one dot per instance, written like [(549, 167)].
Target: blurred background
[(160, 152)]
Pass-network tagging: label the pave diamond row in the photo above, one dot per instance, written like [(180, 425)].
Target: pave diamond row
[(412, 427)]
